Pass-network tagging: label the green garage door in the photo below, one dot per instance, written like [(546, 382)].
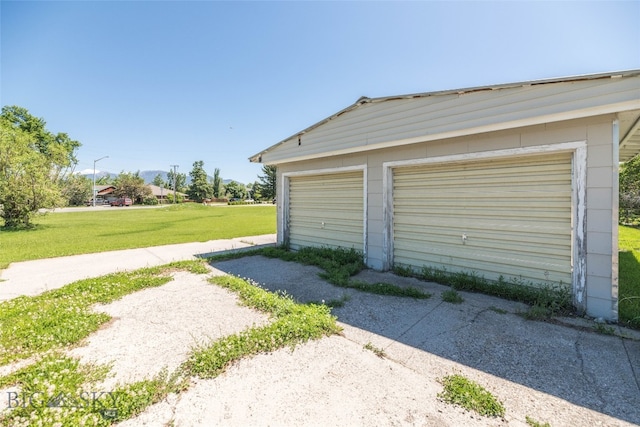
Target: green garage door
[(506, 217), (327, 210)]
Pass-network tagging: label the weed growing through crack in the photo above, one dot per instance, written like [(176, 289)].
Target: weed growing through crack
[(604, 329), (461, 391), (545, 300), (452, 296), (47, 393), (498, 310), (132, 399), (338, 265), (537, 312), (58, 390), (292, 324), (533, 423), (376, 350)]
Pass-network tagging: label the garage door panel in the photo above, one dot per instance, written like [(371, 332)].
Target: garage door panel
[(515, 213), (327, 210), (535, 244), (555, 247), (547, 227), (492, 264)]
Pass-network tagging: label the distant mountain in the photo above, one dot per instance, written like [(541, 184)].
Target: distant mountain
[(148, 176), (99, 174)]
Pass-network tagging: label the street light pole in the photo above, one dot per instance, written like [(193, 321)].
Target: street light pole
[(94, 178), (175, 181)]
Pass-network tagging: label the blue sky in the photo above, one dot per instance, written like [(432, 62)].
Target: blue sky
[(152, 84)]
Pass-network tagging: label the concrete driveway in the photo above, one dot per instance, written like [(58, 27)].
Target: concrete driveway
[(561, 372)]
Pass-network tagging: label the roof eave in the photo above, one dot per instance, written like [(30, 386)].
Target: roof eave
[(257, 158)]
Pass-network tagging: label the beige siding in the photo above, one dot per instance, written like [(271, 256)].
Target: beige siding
[(427, 116), (515, 215), (601, 265), (327, 210)]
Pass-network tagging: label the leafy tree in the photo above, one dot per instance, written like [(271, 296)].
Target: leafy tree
[(150, 200), (33, 163), (179, 198), (217, 183), (255, 191), (630, 190), (180, 179), (131, 185), (267, 185), (59, 149), (76, 189), (199, 189), (158, 181), (236, 190)]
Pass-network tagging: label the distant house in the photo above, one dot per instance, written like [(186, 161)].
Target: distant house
[(105, 191), (516, 181), (161, 193)]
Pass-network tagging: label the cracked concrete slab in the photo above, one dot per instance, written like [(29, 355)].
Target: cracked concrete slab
[(562, 371)]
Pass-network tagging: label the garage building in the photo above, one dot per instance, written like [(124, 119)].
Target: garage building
[(518, 181)]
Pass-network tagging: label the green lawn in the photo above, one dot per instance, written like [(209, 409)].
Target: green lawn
[(629, 276), (61, 234)]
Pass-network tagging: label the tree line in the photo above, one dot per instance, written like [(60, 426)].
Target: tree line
[(37, 165), (200, 188)]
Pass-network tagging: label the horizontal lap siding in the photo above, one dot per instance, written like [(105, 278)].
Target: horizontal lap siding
[(327, 210), (516, 214), (398, 119)]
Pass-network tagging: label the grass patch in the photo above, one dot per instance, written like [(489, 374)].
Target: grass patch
[(550, 300), (452, 296), (61, 317), (461, 391), (137, 228), (293, 324), (338, 265), (132, 399), (333, 303), (50, 393), (629, 276), (386, 289), (498, 310), (58, 390)]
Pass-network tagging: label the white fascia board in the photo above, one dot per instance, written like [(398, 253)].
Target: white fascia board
[(531, 121)]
